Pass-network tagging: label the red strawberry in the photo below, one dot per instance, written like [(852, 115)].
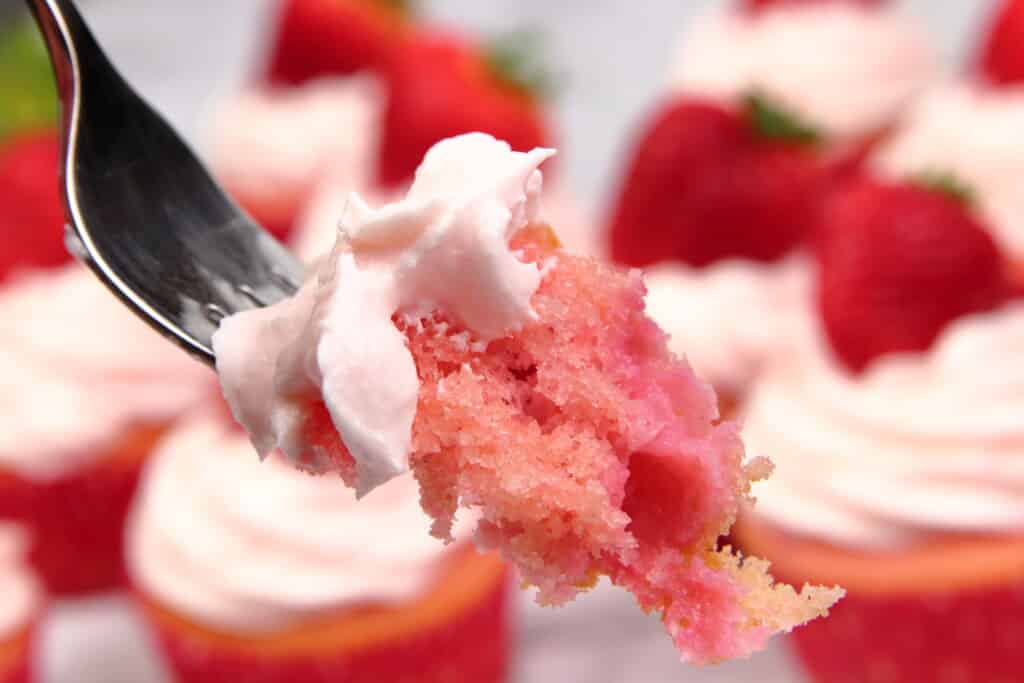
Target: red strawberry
[(755, 5), (335, 37), (1002, 52), (898, 262), (708, 183), (442, 86), (31, 209)]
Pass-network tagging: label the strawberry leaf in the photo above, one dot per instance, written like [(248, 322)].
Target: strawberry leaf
[(775, 123), (517, 59), (945, 183)]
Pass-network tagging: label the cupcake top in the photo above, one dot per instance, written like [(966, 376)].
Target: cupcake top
[(274, 144), (282, 548), (975, 133), (79, 369), (20, 593), (919, 444), (842, 67), (734, 318)]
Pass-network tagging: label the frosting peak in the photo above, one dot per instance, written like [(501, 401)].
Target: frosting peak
[(444, 247)]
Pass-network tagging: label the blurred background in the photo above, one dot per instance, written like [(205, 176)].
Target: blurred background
[(612, 61)]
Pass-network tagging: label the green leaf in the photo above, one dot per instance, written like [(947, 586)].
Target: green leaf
[(28, 95), (518, 58), (774, 122), (946, 183)]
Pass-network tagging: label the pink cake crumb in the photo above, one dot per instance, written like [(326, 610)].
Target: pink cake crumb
[(589, 449)]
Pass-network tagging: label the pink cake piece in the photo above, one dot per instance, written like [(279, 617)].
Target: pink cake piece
[(589, 449), (560, 418)]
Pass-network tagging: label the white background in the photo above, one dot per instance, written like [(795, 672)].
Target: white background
[(182, 53)]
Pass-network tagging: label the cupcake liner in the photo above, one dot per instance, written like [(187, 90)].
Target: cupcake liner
[(77, 521), (471, 647), (961, 637), (16, 656)]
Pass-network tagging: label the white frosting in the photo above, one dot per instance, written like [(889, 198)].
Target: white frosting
[(20, 594), (443, 247), (273, 146), (919, 444), (977, 134), (845, 68), (79, 368), (733, 319), (257, 546)]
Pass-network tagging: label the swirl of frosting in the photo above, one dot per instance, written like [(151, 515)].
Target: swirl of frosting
[(259, 546), (275, 145), (733, 319), (78, 369), (20, 593), (443, 247), (842, 67), (977, 134), (920, 444)]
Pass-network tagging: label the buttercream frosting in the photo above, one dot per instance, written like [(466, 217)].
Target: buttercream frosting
[(734, 319), (79, 368), (845, 68), (443, 247), (920, 444), (236, 543)]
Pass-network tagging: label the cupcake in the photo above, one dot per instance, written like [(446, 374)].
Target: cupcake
[(88, 391), (22, 603), (271, 148), (974, 132), (898, 447), (846, 67), (250, 570)]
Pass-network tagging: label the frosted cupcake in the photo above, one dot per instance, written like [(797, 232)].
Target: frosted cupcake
[(846, 68), (975, 133), (272, 148), (22, 603), (904, 486), (88, 390), (898, 444), (288, 578)]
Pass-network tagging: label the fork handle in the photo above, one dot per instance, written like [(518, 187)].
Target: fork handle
[(67, 39)]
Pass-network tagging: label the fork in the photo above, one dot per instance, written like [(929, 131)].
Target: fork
[(142, 211)]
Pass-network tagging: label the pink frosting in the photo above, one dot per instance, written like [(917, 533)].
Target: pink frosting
[(281, 548), (443, 247), (847, 69), (921, 443), (79, 368), (274, 146)]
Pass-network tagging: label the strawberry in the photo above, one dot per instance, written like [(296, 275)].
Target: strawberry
[(335, 37), (707, 183), (756, 5), (1001, 59), (31, 209), (899, 262), (442, 86)]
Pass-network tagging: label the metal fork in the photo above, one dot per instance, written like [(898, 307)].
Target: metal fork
[(142, 212)]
